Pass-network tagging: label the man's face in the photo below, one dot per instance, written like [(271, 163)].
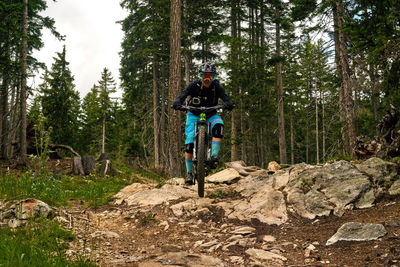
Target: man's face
[(207, 79)]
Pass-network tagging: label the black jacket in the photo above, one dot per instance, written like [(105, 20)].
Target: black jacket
[(203, 97)]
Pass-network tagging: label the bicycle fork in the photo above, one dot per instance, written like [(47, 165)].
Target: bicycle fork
[(196, 136)]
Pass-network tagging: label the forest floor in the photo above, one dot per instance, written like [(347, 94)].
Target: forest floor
[(120, 235)]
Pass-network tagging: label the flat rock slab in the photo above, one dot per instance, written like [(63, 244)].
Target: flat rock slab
[(129, 190), (355, 231), (159, 196), (184, 259), (262, 255), (227, 176)]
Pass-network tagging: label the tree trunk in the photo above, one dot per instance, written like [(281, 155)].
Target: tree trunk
[(343, 129), (316, 125), (163, 114), (347, 90), (346, 82), (323, 128), (374, 93), (14, 107), (156, 115), (4, 100), (23, 144), (4, 116), (234, 60), (187, 44), (103, 137), (279, 88), (174, 120), (291, 139)]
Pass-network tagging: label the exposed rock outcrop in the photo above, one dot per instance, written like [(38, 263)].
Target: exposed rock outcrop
[(310, 191)]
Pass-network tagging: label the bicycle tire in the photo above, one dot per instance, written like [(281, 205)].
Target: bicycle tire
[(201, 158)]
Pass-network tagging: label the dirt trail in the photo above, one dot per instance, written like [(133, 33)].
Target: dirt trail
[(118, 235)]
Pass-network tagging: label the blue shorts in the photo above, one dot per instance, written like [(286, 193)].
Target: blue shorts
[(191, 119)]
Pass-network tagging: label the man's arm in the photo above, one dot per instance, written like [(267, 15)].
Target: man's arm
[(221, 94), (178, 102)]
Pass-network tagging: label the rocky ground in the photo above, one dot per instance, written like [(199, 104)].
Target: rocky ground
[(249, 217)]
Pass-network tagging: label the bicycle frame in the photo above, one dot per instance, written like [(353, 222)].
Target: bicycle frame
[(203, 121)]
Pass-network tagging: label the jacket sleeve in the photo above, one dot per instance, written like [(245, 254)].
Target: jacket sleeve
[(179, 101), (221, 94)]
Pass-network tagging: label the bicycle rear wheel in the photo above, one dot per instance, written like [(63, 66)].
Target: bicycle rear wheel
[(201, 157)]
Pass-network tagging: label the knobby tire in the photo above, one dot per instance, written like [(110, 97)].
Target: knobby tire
[(201, 158)]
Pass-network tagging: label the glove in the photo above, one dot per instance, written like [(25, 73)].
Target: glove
[(177, 106), (228, 106)]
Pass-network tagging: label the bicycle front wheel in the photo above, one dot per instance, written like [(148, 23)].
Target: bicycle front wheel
[(201, 158)]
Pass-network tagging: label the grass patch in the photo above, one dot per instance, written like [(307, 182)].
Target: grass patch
[(31, 185), (224, 194), (41, 243), (147, 219), (54, 191), (148, 174)]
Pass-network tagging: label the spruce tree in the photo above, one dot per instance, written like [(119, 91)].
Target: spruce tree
[(61, 102)]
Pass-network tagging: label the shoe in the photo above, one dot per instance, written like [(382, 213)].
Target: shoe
[(214, 162), (189, 179)]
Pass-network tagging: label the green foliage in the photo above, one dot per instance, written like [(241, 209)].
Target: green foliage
[(42, 139), (221, 194), (54, 191), (60, 102), (41, 243), (146, 219), (96, 191), (98, 109), (31, 185), (396, 160)]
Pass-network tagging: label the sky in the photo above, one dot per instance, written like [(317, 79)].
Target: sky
[(92, 39)]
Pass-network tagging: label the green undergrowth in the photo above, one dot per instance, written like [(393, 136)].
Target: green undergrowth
[(59, 190), (41, 242), (221, 194)]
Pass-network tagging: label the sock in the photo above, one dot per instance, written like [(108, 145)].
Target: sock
[(189, 165), (216, 145)]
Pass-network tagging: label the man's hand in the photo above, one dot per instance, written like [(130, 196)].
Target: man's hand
[(229, 106), (177, 106)]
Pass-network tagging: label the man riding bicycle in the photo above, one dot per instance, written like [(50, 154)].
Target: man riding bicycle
[(204, 92)]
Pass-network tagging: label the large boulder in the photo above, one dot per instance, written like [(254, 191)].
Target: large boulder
[(16, 213), (380, 171), (337, 186), (267, 205)]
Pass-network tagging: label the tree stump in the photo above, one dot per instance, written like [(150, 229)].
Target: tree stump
[(387, 144), (134, 163), (106, 168), (88, 164), (77, 168)]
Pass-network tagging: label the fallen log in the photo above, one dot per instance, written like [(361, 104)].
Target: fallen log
[(53, 146)]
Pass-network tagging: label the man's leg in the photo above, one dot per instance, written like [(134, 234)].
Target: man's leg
[(215, 146), (189, 132), (218, 134), (189, 157)]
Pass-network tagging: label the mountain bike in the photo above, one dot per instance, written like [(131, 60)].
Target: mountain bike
[(202, 146)]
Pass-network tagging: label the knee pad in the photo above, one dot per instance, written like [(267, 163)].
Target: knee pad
[(189, 148), (218, 130)]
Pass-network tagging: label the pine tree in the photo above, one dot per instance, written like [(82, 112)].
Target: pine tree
[(106, 87), (60, 102), (21, 24)]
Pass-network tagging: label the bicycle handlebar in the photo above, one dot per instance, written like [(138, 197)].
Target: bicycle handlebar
[(201, 109)]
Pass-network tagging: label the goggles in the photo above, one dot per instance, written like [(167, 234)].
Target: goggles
[(207, 76)]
